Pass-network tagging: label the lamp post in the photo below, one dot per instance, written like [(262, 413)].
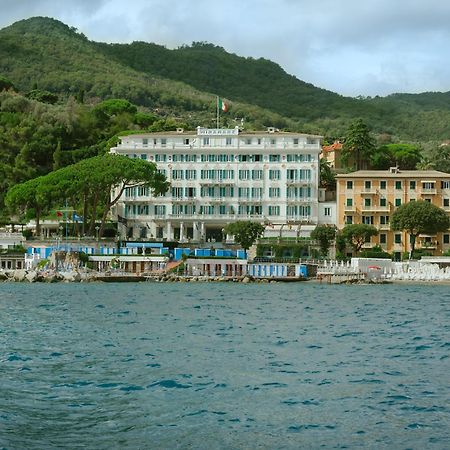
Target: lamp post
[(97, 236)]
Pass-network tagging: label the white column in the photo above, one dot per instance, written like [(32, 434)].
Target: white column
[(202, 231), (169, 231), (182, 232), (196, 231)]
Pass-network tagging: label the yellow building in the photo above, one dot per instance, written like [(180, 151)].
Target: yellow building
[(371, 197)]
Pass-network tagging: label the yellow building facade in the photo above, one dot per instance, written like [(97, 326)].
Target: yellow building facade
[(371, 197)]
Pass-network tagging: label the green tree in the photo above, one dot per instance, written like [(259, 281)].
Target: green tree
[(324, 235), (439, 158), (327, 176), (245, 232), (42, 96), (6, 84), (24, 196), (405, 156), (358, 234), (358, 146), (419, 217)]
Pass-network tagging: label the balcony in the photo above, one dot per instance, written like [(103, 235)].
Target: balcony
[(184, 199), (428, 191), (299, 199), (368, 191), (374, 208), (384, 227), (351, 208), (298, 182), (427, 245)]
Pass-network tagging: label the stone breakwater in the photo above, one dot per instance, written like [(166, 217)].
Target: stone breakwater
[(52, 276)]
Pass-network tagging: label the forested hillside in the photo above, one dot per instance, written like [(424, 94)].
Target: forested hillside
[(45, 53)]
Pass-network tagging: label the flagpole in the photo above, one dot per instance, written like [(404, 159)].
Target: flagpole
[(218, 111)]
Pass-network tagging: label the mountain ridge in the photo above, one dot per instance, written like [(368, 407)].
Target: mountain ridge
[(182, 82)]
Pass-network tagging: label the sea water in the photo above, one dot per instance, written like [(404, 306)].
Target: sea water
[(224, 366)]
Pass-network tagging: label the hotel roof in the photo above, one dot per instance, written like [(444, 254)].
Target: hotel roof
[(394, 174)]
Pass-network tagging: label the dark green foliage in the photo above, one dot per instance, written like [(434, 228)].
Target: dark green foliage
[(42, 96), (6, 84), (182, 83), (115, 106), (419, 217), (286, 250), (357, 235), (375, 252), (405, 156), (324, 235), (87, 186), (358, 147), (327, 176), (245, 232)]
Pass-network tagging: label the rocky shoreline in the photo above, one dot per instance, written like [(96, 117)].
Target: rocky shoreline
[(80, 276)]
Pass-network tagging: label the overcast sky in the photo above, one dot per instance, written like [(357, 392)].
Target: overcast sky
[(353, 47)]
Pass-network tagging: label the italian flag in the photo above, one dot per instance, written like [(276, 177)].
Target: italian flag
[(222, 105)]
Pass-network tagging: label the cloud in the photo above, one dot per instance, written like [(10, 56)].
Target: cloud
[(370, 47)]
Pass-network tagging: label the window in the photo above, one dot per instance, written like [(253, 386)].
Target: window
[(190, 192), (383, 184), (272, 142), (327, 211), (274, 210), (191, 174), (446, 238), (274, 158), (349, 184), (228, 141), (445, 184), (295, 141), (384, 220), (398, 201), (367, 202), (177, 174), (367, 184), (291, 174), (144, 142), (143, 156), (446, 202), (412, 185), (397, 238), (383, 202), (274, 174), (259, 141), (274, 192), (349, 202), (163, 142), (348, 220), (186, 141), (383, 239), (257, 158), (257, 174), (206, 141), (368, 220), (244, 174), (398, 185), (428, 185), (248, 141)]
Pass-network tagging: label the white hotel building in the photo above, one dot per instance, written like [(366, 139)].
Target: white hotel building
[(219, 176)]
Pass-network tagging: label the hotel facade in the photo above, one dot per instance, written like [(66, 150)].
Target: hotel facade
[(371, 197), (218, 176)]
